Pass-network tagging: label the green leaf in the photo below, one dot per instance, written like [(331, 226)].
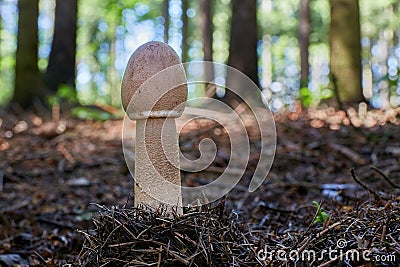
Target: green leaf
[(305, 96), (321, 216)]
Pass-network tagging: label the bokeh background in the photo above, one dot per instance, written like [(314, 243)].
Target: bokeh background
[(108, 31)]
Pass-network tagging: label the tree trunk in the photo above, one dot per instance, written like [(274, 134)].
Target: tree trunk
[(1, 29), (206, 26), (395, 6), (345, 49), (61, 68), (184, 44), (165, 14), (28, 84), (243, 48), (304, 40), (112, 74)]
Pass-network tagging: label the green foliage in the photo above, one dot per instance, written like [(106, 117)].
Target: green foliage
[(320, 19), (5, 96), (305, 96), (68, 93), (90, 113), (6, 82), (108, 31), (65, 94), (282, 19), (7, 60), (309, 98), (377, 16), (326, 93), (321, 216), (103, 24), (221, 22)]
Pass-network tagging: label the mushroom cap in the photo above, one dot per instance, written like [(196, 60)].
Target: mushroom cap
[(154, 82)]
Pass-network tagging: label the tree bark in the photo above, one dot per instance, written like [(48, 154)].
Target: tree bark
[(345, 50), (165, 14), (395, 6), (184, 45), (1, 29), (28, 85), (304, 40), (243, 48), (61, 68), (206, 26), (112, 74)]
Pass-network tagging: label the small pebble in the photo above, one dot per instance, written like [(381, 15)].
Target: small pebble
[(81, 181)]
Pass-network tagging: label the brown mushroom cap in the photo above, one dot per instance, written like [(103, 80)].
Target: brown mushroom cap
[(162, 92)]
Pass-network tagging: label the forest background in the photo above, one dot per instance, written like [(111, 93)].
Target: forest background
[(293, 49)]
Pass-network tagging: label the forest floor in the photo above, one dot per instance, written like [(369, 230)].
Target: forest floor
[(52, 173)]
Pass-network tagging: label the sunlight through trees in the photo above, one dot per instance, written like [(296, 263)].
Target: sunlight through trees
[(289, 43)]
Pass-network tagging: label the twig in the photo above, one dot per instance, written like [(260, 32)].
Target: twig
[(267, 207), (12, 178), (67, 155), (328, 229), (178, 257), (328, 262), (383, 233), (55, 223), (307, 240), (387, 205), (385, 177), (109, 109), (16, 206), (109, 236), (159, 256), (41, 259), (123, 226), (1, 181), (356, 158), (365, 186)]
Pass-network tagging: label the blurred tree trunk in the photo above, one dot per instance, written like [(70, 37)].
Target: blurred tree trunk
[(243, 49), (184, 44), (112, 73), (1, 29), (304, 40), (206, 25), (396, 32), (345, 49), (28, 84), (165, 14), (61, 68)]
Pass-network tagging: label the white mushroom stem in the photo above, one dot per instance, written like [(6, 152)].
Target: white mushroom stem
[(157, 154)]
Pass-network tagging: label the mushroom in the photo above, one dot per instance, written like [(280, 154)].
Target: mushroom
[(153, 93)]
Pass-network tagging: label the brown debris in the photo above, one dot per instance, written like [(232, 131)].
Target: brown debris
[(144, 237), (49, 179)]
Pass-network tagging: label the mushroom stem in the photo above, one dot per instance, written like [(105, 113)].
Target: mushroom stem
[(158, 155), (154, 93)]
